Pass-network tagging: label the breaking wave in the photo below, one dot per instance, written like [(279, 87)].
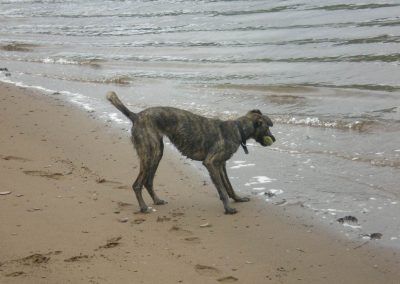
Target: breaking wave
[(361, 125)]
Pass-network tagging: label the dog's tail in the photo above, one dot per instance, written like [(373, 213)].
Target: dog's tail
[(113, 98)]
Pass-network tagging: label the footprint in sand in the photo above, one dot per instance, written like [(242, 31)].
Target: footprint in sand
[(192, 240), (138, 221), (15, 274), (179, 231), (177, 214), (68, 164), (185, 234), (206, 270), (77, 258), (124, 205), (123, 187), (227, 279), (14, 158), (85, 172), (34, 259), (106, 181), (111, 243), (49, 175), (162, 219)]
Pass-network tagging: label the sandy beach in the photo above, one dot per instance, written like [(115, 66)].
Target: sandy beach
[(68, 215)]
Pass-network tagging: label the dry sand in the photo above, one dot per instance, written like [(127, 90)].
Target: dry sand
[(71, 216)]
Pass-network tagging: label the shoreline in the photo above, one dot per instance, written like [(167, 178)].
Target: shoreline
[(69, 177)]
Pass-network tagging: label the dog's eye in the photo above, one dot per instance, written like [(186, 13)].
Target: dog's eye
[(258, 123)]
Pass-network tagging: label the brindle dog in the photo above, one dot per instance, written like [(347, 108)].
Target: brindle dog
[(211, 141)]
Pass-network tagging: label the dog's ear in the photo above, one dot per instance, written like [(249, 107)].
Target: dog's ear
[(255, 111), (255, 115)]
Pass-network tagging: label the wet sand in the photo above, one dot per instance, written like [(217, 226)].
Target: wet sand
[(68, 215)]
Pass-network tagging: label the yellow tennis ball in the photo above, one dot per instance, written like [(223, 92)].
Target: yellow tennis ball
[(268, 140)]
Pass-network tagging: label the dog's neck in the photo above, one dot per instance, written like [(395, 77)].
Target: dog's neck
[(247, 127), (245, 130)]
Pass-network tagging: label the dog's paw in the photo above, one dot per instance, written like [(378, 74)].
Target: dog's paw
[(230, 211), (146, 210), (160, 202), (242, 199)]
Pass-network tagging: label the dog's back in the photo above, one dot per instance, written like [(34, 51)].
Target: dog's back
[(192, 134)]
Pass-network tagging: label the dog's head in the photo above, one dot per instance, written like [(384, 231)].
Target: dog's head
[(261, 124)]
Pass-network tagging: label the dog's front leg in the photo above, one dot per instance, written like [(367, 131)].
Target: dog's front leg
[(232, 194), (214, 170)]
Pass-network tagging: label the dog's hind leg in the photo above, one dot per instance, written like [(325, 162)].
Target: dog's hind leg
[(137, 188), (229, 189), (143, 145), (214, 170), (154, 161)]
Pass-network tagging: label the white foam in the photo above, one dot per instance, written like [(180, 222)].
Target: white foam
[(242, 166), (352, 226), (258, 188), (22, 85), (275, 191), (75, 98), (59, 61), (260, 180), (115, 117), (311, 121), (336, 210)]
